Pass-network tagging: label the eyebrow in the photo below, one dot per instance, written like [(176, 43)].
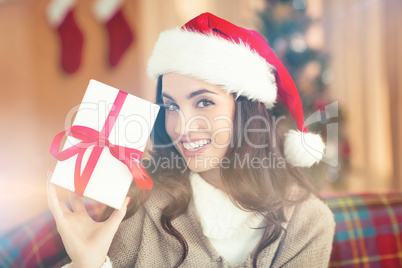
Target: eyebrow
[(191, 95)]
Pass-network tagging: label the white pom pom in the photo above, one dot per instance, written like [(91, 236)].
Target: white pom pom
[(303, 149)]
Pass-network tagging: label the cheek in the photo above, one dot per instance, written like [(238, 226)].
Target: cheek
[(170, 127), (222, 131), (223, 127), (222, 138)]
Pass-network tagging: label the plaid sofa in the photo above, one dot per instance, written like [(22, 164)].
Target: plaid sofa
[(368, 234), (37, 243), (368, 230)]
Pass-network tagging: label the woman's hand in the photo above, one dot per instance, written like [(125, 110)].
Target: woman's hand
[(86, 241)]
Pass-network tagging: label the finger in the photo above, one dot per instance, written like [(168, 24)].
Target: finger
[(55, 206), (117, 216), (76, 202)]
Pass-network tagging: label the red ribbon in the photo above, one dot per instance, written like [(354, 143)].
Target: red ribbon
[(91, 137)]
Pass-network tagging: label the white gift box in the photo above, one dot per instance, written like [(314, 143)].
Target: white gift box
[(111, 178)]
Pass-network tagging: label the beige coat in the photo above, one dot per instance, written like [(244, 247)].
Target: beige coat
[(141, 241)]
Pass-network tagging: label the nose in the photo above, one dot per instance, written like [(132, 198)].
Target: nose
[(190, 121)]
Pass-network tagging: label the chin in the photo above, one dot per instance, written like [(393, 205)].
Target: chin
[(202, 160), (200, 164), (196, 164)]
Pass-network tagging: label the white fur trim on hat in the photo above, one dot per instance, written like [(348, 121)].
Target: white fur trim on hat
[(233, 66), (303, 149)]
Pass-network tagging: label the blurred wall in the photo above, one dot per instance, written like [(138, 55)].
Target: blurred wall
[(36, 95), (364, 42)]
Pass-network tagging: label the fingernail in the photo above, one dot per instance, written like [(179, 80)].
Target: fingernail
[(129, 200)]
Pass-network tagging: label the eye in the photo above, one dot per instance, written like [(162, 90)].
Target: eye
[(170, 107), (205, 103)]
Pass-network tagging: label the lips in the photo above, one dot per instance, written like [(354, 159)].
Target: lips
[(192, 148), (195, 145)]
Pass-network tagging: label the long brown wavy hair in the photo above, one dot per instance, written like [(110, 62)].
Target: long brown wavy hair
[(265, 191)]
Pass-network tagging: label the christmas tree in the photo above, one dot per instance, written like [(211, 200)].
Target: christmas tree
[(297, 39)]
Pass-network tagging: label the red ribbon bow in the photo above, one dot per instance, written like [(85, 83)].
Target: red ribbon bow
[(91, 137)]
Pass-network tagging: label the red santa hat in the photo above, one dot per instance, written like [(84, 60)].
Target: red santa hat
[(241, 62)]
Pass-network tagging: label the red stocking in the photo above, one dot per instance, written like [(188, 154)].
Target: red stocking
[(120, 37), (71, 43), (109, 13), (60, 15)]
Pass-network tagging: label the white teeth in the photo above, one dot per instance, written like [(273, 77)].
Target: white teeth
[(195, 145)]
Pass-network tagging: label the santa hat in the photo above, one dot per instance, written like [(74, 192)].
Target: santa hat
[(241, 62)]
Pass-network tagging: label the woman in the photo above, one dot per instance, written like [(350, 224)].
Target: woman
[(223, 195)]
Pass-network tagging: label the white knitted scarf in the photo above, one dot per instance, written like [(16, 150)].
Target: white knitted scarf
[(229, 229)]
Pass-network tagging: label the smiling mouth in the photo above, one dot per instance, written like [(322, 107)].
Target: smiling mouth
[(196, 145)]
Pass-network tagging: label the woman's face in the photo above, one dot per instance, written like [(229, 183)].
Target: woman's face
[(199, 119)]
